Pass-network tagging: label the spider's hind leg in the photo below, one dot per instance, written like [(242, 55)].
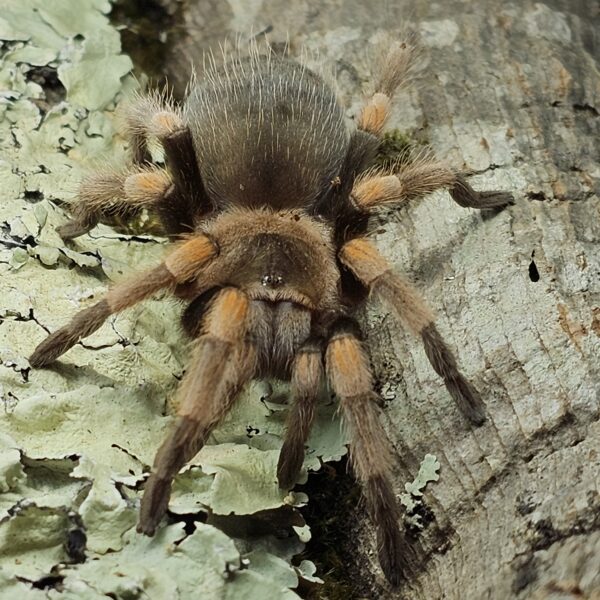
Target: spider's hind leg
[(395, 69), (115, 193), (175, 194), (417, 177), (156, 116)]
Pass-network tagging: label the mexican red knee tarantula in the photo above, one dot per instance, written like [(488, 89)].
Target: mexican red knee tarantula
[(272, 195)]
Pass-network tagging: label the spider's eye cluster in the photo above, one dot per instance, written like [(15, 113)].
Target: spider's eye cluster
[(272, 281)]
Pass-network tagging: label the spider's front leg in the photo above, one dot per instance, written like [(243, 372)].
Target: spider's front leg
[(367, 264), (180, 266), (222, 362), (370, 450)]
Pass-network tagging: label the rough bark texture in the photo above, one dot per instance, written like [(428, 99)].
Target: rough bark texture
[(511, 92)]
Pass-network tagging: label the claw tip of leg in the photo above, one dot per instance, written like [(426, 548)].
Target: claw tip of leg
[(36, 361), (478, 418), (145, 529), (284, 480)]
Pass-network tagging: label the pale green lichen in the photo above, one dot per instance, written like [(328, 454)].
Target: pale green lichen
[(32, 540), (76, 439), (11, 469), (412, 498), (170, 565)]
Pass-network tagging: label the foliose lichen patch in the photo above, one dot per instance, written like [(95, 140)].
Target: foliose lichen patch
[(77, 439)]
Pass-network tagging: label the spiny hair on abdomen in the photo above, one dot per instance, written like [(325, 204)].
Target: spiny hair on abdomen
[(267, 131)]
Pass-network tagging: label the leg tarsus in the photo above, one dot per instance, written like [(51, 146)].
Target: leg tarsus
[(396, 556), (155, 502), (82, 324), (307, 373), (464, 195), (183, 442), (443, 362), (495, 199), (290, 462), (76, 227)]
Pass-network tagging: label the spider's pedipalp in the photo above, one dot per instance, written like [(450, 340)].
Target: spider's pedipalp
[(395, 68), (367, 264), (370, 450), (418, 177), (115, 192), (221, 363), (180, 266), (307, 373)]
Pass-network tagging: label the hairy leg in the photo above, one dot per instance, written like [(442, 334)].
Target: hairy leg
[(134, 115), (109, 193), (370, 450), (367, 264), (157, 117), (419, 177), (222, 362), (395, 69), (307, 374), (183, 264)]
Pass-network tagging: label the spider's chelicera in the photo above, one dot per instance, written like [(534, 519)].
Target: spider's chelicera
[(272, 195)]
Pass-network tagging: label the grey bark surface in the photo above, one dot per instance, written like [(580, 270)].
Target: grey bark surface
[(511, 92)]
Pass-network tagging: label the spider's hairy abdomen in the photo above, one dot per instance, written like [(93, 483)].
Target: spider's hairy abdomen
[(267, 131)]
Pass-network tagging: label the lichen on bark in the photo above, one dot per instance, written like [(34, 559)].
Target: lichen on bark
[(77, 438)]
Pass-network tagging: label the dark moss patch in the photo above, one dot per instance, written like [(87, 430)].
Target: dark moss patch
[(147, 29), (393, 150), (334, 500), (54, 90)]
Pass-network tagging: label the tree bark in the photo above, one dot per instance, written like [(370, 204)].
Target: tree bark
[(511, 92)]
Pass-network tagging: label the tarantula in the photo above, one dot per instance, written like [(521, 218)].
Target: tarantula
[(272, 194)]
